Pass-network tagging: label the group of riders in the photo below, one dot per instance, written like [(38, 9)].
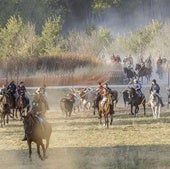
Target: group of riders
[(104, 90), (20, 90), (17, 90), (128, 62)]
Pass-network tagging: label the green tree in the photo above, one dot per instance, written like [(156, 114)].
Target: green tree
[(51, 36)]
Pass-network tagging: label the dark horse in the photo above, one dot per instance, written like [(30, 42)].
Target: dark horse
[(4, 110), (37, 129), (12, 103), (22, 104), (143, 72), (107, 109), (136, 100), (129, 73)]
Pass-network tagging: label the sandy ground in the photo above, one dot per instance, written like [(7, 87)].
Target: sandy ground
[(81, 143)]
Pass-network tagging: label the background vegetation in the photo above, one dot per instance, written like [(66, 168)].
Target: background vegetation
[(53, 35)]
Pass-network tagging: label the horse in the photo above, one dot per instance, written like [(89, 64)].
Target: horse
[(37, 129), (143, 72), (4, 110), (66, 105), (114, 96), (136, 100), (22, 104), (126, 98), (106, 109), (129, 73), (88, 96), (12, 103), (97, 99), (77, 102), (155, 105)]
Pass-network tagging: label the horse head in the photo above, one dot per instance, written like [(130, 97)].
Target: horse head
[(29, 122)]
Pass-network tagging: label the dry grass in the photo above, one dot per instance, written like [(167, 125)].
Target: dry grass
[(80, 142)]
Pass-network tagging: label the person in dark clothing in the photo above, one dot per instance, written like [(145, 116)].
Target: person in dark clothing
[(12, 88), (22, 89), (156, 88)]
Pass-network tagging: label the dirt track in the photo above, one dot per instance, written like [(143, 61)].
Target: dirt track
[(81, 143)]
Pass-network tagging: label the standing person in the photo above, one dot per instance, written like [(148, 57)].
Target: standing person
[(156, 88)]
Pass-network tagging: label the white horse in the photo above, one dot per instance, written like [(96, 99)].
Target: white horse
[(155, 105), (88, 96), (77, 104)]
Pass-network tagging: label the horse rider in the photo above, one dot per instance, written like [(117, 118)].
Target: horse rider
[(159, 61), (156, 88), (100, 88), (138, 87), (21, 89), (107, 88), (106, 91), (42, 91), (13, 89)]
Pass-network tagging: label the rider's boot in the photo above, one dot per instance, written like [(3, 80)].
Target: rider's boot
[(24, 138)]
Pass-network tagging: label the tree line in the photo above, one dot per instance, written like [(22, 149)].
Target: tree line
[(32, 32)]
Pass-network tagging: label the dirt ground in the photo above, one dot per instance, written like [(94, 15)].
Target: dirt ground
[(80, 142)]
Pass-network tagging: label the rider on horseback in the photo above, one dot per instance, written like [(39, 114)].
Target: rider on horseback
[(22, 90), (106, 91), (12, 89), (137, 86), (156, 88)]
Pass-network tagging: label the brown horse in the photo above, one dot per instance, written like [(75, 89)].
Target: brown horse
[(4, 110), (12, 103), (22, 104), (143, 72), (129, 73), (136, 100), (106, 109), (37, 129)]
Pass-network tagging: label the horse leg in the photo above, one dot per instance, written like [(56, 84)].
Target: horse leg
[(44, 151), (107, 120), (144, 107), (111, 119), (159, 111), (30, 151), (136, 110), (100, 116), (131, 108), (38, 151)]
